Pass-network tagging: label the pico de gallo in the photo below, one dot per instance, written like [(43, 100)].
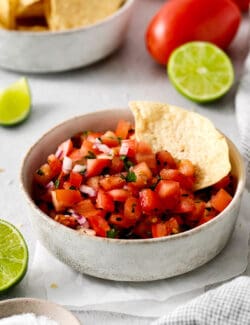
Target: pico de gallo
[(110, 185)]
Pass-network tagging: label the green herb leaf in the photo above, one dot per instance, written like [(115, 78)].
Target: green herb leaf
[(127, 163), (40, 172), (72, 187), (90, 155), (112, 233), (57, 183), (131, 177)]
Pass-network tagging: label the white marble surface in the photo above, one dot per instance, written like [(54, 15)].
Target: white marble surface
[(126, 75)]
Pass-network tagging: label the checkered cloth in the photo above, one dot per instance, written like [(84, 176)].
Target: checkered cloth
[(228, 304)]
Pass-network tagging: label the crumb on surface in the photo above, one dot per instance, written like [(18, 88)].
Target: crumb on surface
[(53, 285)]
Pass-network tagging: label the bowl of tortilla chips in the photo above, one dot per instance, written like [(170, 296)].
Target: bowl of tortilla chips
[(185, 134), (42, 36)]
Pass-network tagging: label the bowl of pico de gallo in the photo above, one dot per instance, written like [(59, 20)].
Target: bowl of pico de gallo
[(109, 205)]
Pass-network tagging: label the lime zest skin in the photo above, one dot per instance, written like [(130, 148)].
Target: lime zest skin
[(15, 103), (200, 71), (14, 256)]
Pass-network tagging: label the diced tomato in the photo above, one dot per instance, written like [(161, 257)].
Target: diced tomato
[(85, 208), (223, 183), (110, 139), (143, 228), (128, 148), (185, 205), (118, 219), (132, 209), (186, 167), (173, 225), (88, 150), (96, 166), (149, 200), (75, 179), (160, 229), (198, 211), (76, 155), (43, 175), (164, 159), (105, 201), (64, 149), (99, 224), (119, 195), (117, 165), (220, 200), (142, 173), (148, 158), (205, 219), (143, 148), (93, 182), (92, 136), (186, 182), (122, 129), (169, 193), (112, 182), (55, 165), (66, 220), (63, 199)]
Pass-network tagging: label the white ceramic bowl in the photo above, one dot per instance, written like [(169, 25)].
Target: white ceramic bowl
[(38, 307), (41, 52), (119, 259)]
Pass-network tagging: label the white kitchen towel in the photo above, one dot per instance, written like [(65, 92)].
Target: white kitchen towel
[(242, 111), (228, 304)]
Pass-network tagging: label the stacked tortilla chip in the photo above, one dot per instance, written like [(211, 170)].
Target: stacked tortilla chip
[(54, 15)]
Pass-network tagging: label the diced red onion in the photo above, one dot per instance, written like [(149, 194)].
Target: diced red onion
[(79, 168), (67, 165), (81, 219), (103, 148), (90, 191), (124, 149), (50, 186), (59, 153), (104, 156)]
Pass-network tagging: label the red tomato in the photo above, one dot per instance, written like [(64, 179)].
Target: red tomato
[(119, 195), (122, 129), (182, 21), (105, 201), (63, 199), (220, 200), (75, 179), (243, 4), (112, 182), (149, 200), (169, 193), (99, 224), (132, 209), (96, 166)]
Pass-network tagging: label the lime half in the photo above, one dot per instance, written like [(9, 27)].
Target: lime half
[(200, 71), (13, 256), (15, 103)]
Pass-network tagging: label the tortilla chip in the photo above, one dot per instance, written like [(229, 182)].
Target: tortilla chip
[(186, 135), (28, 8), (32, 28), (7, 13), (78, 13)]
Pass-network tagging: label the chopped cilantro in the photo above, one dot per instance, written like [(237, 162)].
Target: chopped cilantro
[(72, 187), (85, 133), (90, 155), (119, 139), (112, 233), (127, 163), (40, 172), (130, 177), (57, 183)]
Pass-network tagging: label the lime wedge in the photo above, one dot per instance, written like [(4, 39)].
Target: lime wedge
[(13, 256), (15, 103), (200, 71)]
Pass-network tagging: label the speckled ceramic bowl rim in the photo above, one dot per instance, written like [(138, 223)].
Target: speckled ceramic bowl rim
[(45, 303), (239, 189), (118, 12)]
